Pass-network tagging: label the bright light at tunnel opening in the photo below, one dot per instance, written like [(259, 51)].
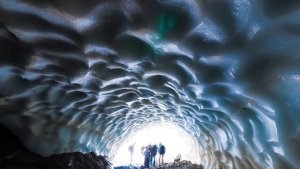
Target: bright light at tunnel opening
[(176, 140)]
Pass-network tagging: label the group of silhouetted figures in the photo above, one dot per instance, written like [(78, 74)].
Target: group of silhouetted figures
[(150, 153)]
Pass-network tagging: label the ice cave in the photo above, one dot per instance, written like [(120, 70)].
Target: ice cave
[(218, 81)]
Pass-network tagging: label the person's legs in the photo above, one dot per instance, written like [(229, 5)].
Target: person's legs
[(162, 159), (130, 158), (145, 162), (148, 161), (159, 159)]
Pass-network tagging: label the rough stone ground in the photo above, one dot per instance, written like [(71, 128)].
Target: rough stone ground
[(74, 160), (175, 165), (179, 165)]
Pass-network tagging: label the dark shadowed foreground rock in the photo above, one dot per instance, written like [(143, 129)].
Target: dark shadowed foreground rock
[(180, 165), (60, 161), (14, 155)]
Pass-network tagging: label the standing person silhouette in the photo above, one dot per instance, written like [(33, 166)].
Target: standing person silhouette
[(153, 153), (161, 151), (131, 150), (147, 155)]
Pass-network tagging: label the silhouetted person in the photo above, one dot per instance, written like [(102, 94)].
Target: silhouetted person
[(147, 155), (161, 151), (153, 154), (131, 150)]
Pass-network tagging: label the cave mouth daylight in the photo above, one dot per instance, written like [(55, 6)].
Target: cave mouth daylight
[(176, 140)]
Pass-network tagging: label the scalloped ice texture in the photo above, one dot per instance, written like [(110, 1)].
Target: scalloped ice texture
[(84, 75)]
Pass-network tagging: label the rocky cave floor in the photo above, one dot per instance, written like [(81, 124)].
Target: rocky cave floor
[(180, 165), (175, 165), (75, 160)]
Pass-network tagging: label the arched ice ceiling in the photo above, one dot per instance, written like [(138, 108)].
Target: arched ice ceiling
[(82, 75)]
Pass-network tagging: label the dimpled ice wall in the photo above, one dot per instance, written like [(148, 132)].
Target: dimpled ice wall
[(83, 75)]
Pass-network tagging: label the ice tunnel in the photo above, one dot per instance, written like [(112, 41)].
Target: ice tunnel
[(90, 75)]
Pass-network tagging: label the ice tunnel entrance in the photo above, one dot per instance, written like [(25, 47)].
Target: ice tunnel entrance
[(176, 140)]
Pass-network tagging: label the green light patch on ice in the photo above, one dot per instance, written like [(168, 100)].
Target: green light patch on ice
[(166, 24)]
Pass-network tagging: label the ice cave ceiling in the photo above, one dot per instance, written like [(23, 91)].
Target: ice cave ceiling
[(83, 75)]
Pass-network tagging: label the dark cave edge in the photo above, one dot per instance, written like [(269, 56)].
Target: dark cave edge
[(13, 155)]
